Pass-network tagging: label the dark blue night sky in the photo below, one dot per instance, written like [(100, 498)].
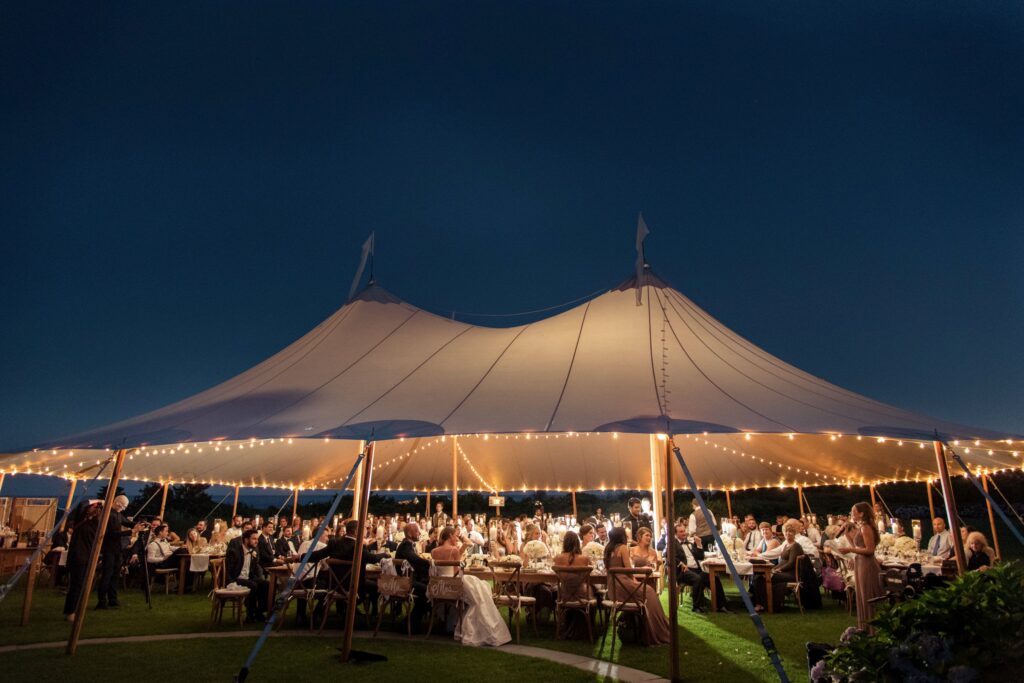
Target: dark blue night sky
[(185, 187)]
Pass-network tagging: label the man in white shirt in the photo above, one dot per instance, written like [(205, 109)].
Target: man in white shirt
[(700, 527), (159, 553), (751, 534), (941, 543)]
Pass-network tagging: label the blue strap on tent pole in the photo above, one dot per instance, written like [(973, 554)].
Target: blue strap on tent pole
[(974, 480), (299, 571), (6, 588), (766, 639)]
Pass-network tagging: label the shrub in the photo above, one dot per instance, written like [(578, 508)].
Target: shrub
[(966, 631)]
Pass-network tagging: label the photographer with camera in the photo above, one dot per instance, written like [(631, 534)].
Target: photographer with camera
[(112, 553)]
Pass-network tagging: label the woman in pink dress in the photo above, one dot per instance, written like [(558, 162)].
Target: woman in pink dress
[(866, 571), (616, 554)]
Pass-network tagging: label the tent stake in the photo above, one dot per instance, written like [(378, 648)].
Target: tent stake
[(951, 513), (94, 554), (991, 517), (670, 569), (357, 558)]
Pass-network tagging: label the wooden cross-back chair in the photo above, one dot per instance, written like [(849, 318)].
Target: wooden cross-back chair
[(625, 599), (339, 576), (574, 595), (395, 591), (444, 593)]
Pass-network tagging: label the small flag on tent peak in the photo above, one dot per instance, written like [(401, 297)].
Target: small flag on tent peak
[(641, 234), (367, 256)]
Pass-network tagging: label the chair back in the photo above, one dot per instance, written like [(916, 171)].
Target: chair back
[(339, 575), (217, 570), (573, 583), (506, 579), (445, 588), (621, 591)]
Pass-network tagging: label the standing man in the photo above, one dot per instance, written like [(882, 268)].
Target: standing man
[(637, 518), (112, 553), (439, 520), (700, 526)]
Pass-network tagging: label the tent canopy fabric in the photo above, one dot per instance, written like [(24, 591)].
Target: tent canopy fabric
[(589, 384)]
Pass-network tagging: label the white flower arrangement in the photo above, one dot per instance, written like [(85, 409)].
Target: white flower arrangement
[(594, 552), (886, 540), (734, 547), (513, 559), (905, 545), (535, 550)]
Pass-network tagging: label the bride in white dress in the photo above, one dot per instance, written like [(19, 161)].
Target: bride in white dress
[(481, 622)]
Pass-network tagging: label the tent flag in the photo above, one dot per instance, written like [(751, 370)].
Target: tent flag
[(641, 234), (367, 254)]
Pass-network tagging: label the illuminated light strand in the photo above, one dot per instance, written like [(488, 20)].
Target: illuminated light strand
[(473, 469)]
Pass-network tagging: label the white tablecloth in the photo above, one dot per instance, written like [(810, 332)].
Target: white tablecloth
[(199, 563)]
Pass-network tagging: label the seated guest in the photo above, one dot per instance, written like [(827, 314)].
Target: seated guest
[(642, 554), (506, 542), (172, 537), (202, 530), (194, 542), (287, 546), (159, 553), (767, 540), (804, 542), (689, 555), (897, 528), (750, 533), (839, 545), (572, 624), (420, 570), (265, 546), (779, 521), (588, 534), (572, 551), (811, 531), (602, 534), (616, 555), (784, 573), (472, 537), (432, 541), (979, 556), (243, 568), (941, 543)]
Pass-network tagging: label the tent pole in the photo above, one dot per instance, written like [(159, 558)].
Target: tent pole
[(234, 506), (800, 498), (357, 486), (575, 516), (295, 505), (94, 553), (951, 513), (2, 475), (357, 559), (670, 569), (871, 488), (163, 500), (931, 503), (728, 504), (991, 517), (428, 504), (71, 498), (657, 506), (455, 481)]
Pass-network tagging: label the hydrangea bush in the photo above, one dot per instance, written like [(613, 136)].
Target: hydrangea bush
[(970, 630)]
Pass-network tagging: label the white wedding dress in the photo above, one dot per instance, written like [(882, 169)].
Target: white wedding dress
[(481, 622)]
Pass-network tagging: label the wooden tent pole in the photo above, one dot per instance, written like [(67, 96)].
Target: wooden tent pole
[(455, 481), (295, 504), (951, 514), (575, 516), (94, 553), (871, 488), (428, 504), (991, 517), (728, 504), (670, 569), (931, 502), (163, 500), (234, 506), (800, 497), (71, 498), (357, 559), (2, 475)]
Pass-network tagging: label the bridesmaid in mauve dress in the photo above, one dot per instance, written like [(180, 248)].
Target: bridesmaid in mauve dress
[(656, 628), (866, 571)]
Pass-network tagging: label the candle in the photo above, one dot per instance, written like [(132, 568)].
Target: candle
[(917, 529)]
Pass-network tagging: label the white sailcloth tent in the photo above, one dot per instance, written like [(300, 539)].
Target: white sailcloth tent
[(571, 402)]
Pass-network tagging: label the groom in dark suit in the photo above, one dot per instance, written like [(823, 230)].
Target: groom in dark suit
[(420, 571)]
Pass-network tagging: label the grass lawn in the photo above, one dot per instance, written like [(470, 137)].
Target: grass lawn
[(718, 647)]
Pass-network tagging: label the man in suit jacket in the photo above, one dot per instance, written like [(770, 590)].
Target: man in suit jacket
[(420, 571), (689, 572), (265, 546), (287, 545), (243, 568), (637, 518)]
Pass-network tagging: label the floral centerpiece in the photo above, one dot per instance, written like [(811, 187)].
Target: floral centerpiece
[(905, 546), (734, 547), (535, 551), (886, 540), (594, 552)]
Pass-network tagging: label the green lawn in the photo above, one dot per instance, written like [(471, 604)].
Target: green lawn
[(717, 647)]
